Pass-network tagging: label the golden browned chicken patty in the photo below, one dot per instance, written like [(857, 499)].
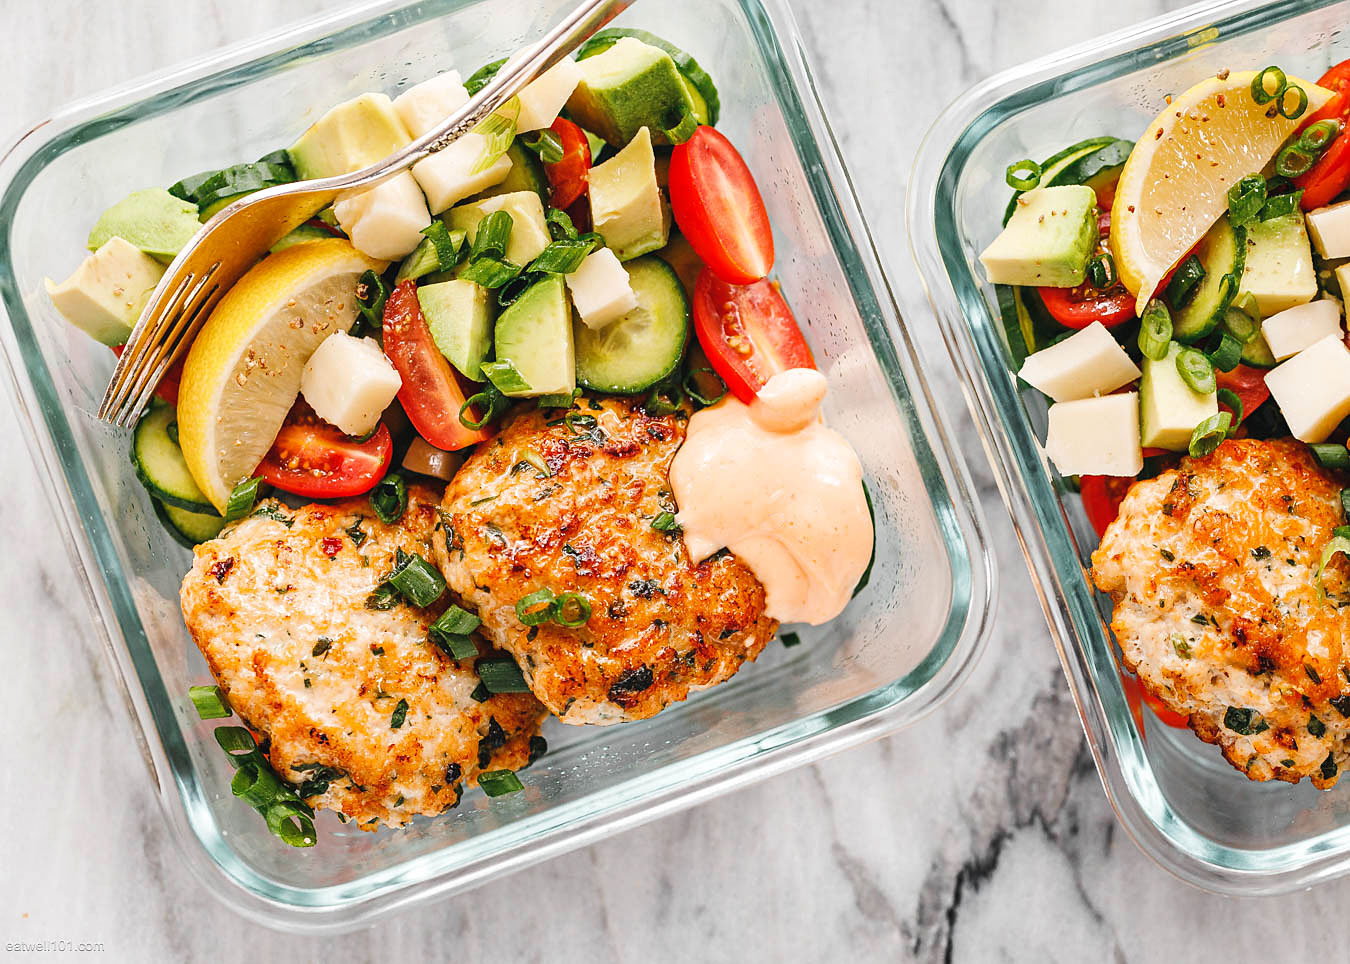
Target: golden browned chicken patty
[(357, 704), (567, 505), (1213, 567)]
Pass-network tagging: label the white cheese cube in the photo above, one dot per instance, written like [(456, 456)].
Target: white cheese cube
[(1089, 362), (385, 221), (543, 98), (1313, 388), (448, 178), (1096, 436), (349, 382), (600, 289), (427, 104), (1330, 230), (1294, 329), (105, 295)]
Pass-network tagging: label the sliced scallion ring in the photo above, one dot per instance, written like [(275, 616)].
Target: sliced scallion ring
[(417, 580), (242, 499), (209, 701), (1316, 138), (1338, 544), (1233, 401), (1155, 330), (1023, 175), (536, 608), (1269, 84), (1331, 455), (1227, 355), (1293, 161), (571, 609), (1196, 370), (1101, 272), (1209, 434), (1281, 205), (1300, 105)]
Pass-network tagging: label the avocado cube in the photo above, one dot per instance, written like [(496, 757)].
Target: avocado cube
[(153, 220), (353, 135), (535, 335), (1279, 271), (459, 315), (107, 292), (1047, 241), (529, 230), (1169, 409), (626, 205), (630, 86)]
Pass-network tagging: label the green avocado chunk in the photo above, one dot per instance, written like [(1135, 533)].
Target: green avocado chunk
[(352, 135), (626, 205), (1047, 241), (630, 86), (153, 220), (460, 319), (535, 335)]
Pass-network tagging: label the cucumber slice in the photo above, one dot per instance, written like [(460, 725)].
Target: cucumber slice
[(159, 461), (188, 528), (1056, 163), (1222, 252), (1257, 353), (702, 90), (527, 174), (1095, 168), (1027, 326), (644, 346)]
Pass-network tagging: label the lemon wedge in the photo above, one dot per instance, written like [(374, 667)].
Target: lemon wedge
[(242, 374), (1175, 183)]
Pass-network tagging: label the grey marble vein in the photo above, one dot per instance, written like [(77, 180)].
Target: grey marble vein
[(979, 835)]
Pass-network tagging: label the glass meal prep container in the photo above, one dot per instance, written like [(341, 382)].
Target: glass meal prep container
[(894, 653), (1176, 796)]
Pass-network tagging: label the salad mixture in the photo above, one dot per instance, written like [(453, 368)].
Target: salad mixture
[(526, 430), (1179, 299)]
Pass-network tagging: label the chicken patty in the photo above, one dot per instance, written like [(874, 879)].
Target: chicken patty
[(566, 503), (358, 707), (1213, 569)]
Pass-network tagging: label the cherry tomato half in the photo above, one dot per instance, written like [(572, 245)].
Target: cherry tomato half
[(747, 332), (1081, 306), (1331, 174), (567, 177), (317, 460), (167, 388), (1102, 495), (718, 207), (1248, 384), (431, 392), (1138, 697)]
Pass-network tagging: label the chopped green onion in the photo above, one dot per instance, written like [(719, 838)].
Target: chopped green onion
[(242, 499), (490, 272), (237, 742), (451, 632), (287, 816), (209, 701), (1231, 399), (498, 130), (257, 785), (389, 498), (480, 693), (665, 398), (1264, 91), (1331, 455), (1196, 370), (399, 715), (417, 580), (1293, 161), (506, 377), (1101, 272), (560, 226), (1246, 198), (545, 143), (691, 387), (1338, 544), (1228, 353), (1155, 330), (790, 639), (536, 608), (665, 522), (561, 400), (498, 783), (571, 609), (500, 674), (489, 401), (510, 292), (371, 294), (1240, 325), (1209, 434), (1281, 205), (449, 244), (492, 236), (1316, 138), (1342, 532), (482, 76), (291, 820), (1345, 502), (1023, 176), (1182, 287), (1300, 102), (561, 257)]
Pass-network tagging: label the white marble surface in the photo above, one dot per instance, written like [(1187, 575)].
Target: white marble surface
[(982, 834)]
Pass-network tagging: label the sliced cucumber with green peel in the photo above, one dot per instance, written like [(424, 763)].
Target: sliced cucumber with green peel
[(188, 528), (1222, 252), (1095, 168), (1027, 326), (159, 461), (1257, 354), (638, 350), (1057, 162)]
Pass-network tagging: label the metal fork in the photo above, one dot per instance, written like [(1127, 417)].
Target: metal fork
[(236, 237)]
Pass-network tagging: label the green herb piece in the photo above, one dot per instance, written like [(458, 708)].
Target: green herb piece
[(498, 130), (1196, 371), (490, 272), (1282, 205), (209, 701), (536, 608), (1180, 646), (482, 76), (1329, 767), (1244, 722), (506, 377), (384, 598), (451, 632), (1101, 272), (560, 226), (389, 498), (323, 645), (1230, 398), (571, 610), (665, 522), (872, 559), (498, 783), (400, 714), (480, 694), (790, 639), (1245, 200), (1312, 673), (1316, 727), (1331, 455), (492, 237), (691, 387), (1268, 84), (286, 815), (1209, 434), (356, 533), (1185, 279), (1260, 552), (500, 674), (417, 580), (1228, 353), (371, 294), (242, 499), (545, 143)]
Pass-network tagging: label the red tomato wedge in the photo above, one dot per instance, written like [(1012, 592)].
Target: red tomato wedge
[(748, 333), (1331, 174), (1137, 697), (167, 388), (1248, 384), (567, 177), (1102, 495), (1081, 306), (431, 393), (719, 209), (314, 459)]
